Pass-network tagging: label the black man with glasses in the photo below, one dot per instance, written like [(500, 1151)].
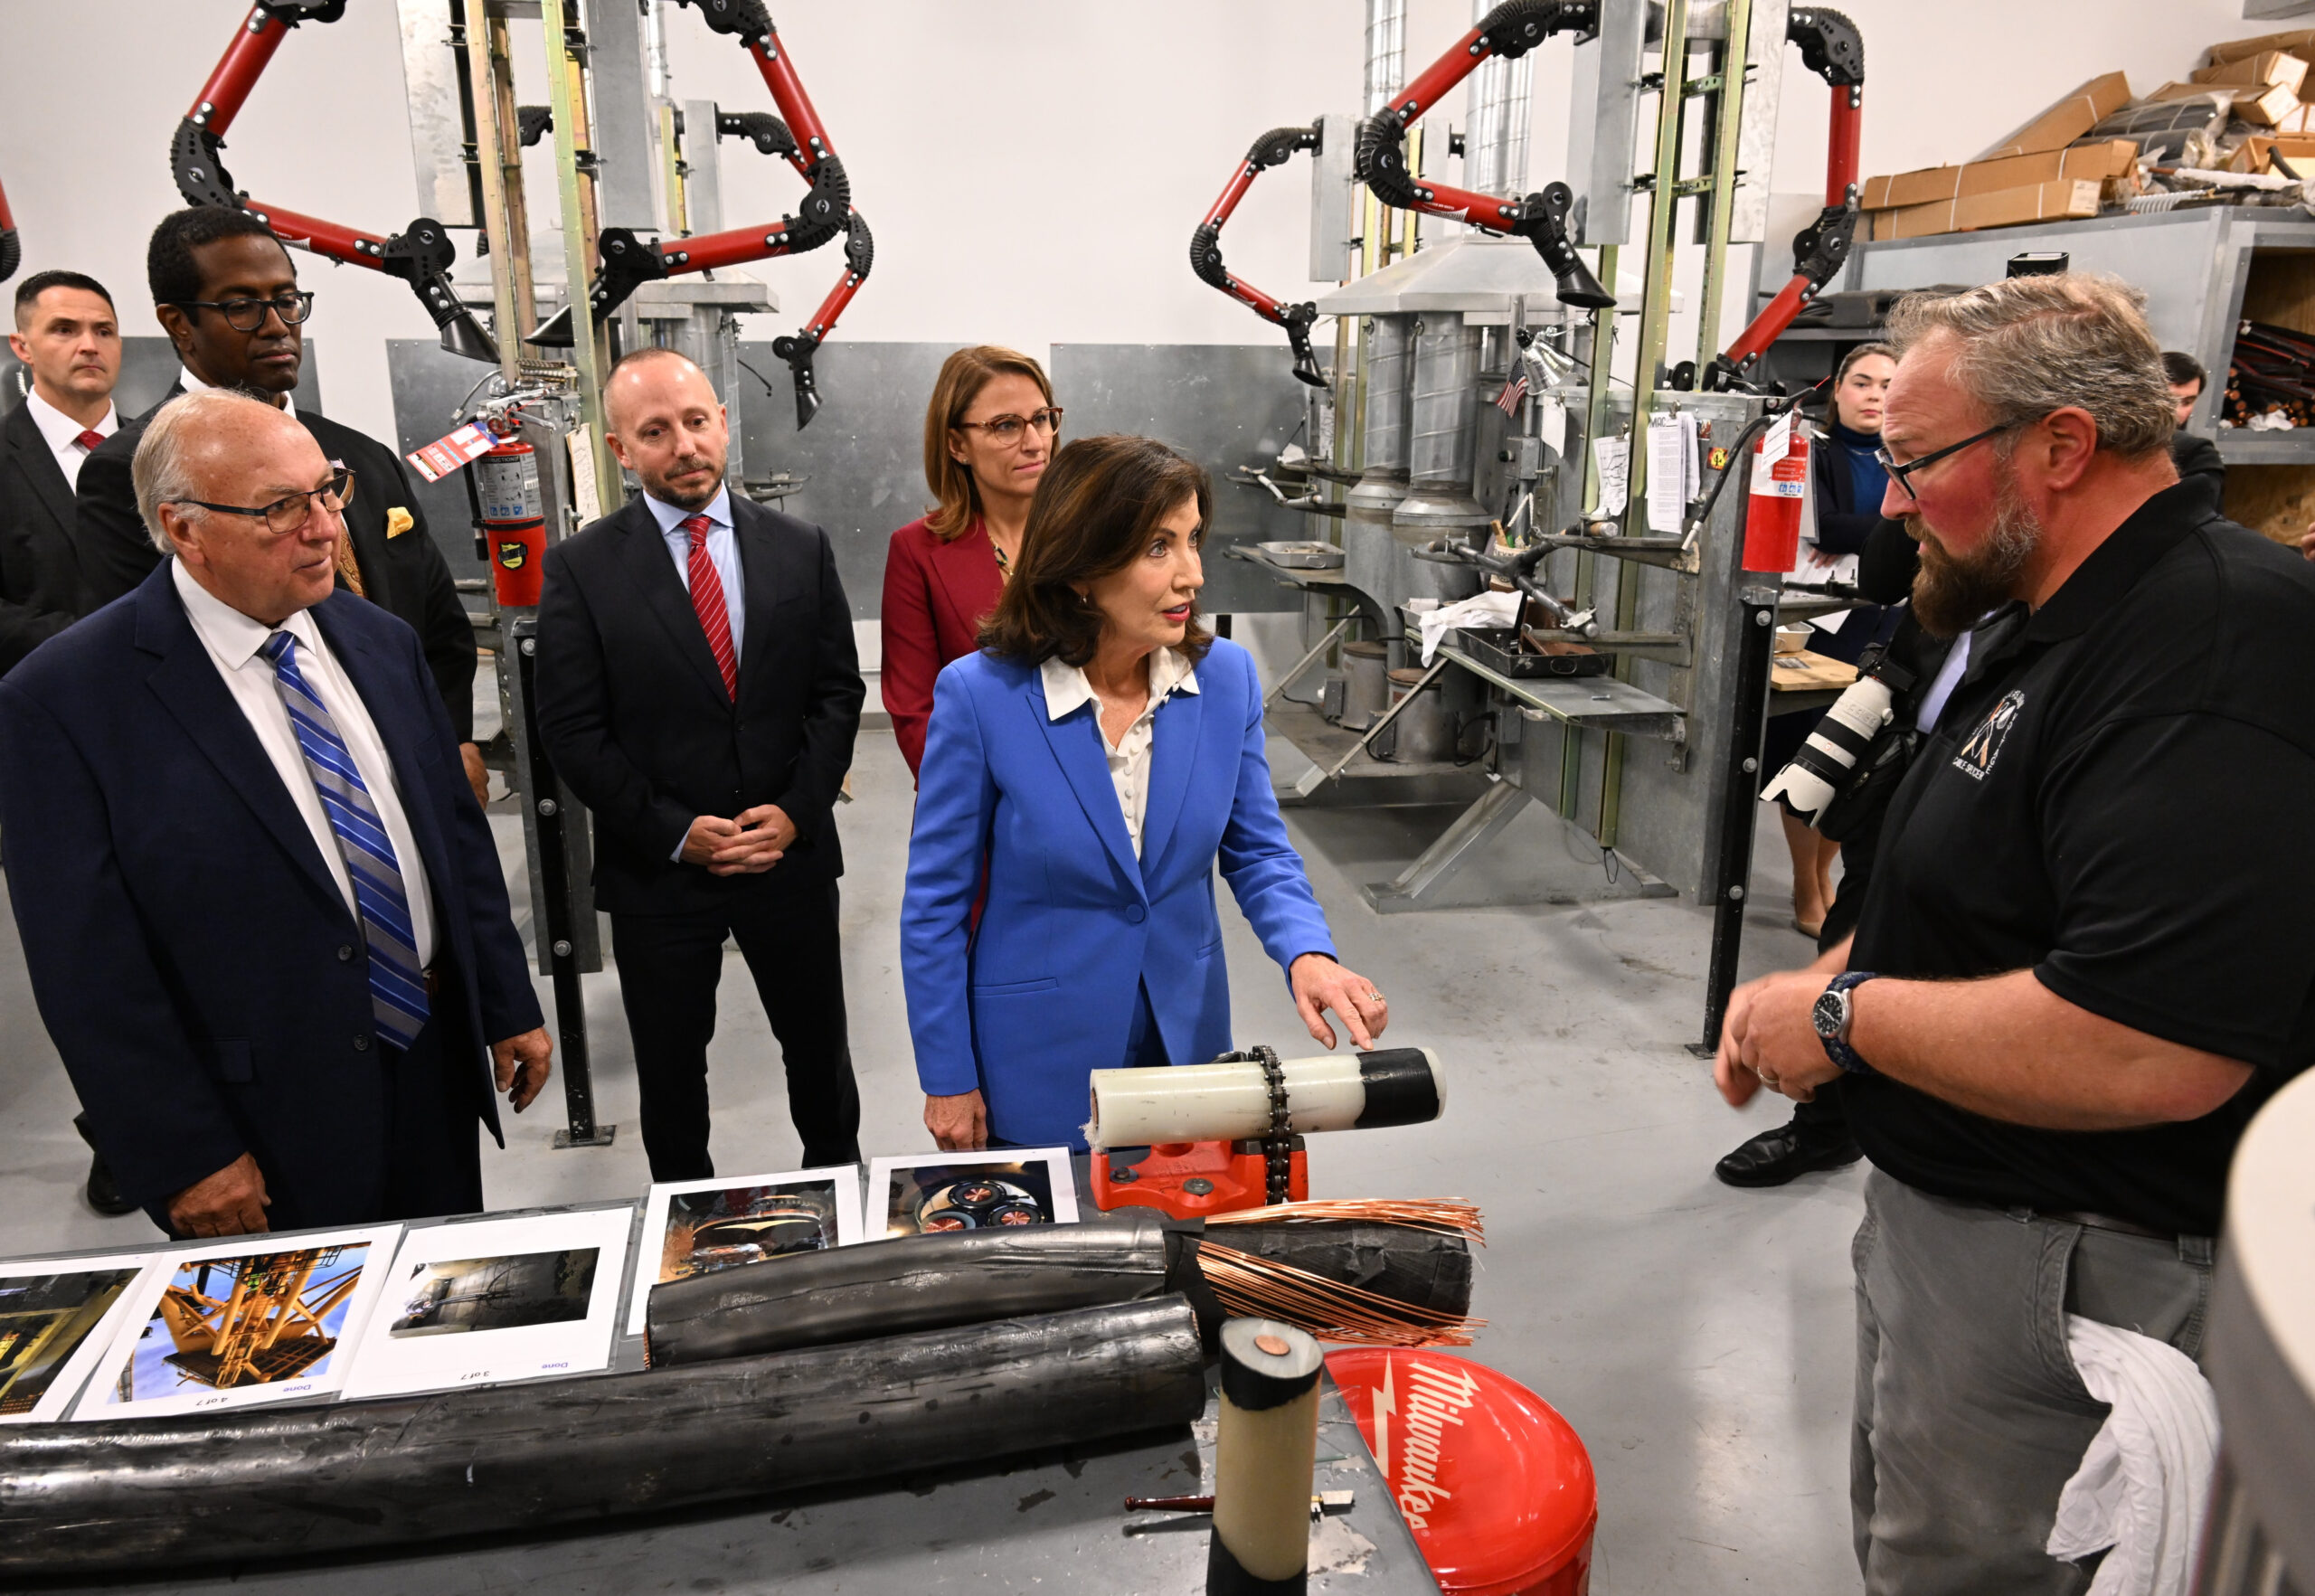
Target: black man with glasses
[(262, 913), (226, 292)]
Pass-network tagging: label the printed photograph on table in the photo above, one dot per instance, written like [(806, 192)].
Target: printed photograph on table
[(695, 1227), (56, 1321), (239, 1322), (940, 1192), (487, 1300)]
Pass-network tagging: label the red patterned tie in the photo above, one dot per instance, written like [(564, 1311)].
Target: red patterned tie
[(89, 439), (707, 598)]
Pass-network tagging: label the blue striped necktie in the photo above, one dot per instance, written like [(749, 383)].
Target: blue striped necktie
[(396, 987)]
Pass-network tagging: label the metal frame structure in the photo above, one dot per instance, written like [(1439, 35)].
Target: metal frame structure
[(1273, 148), (422, 254)]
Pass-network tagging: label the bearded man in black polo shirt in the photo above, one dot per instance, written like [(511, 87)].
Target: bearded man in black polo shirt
[(2086, 956)]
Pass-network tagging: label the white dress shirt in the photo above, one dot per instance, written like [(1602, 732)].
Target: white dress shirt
[(723, 553), (233, 641), (192, 384), (1066, 687), (61, 433)]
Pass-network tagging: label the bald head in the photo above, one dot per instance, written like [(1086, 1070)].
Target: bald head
[(666, 425), (224, 449)]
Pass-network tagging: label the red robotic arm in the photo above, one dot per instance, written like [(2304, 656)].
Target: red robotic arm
[(796, 136), (1272, 149), (421, 254), (1510, 30), (1831, 47), (12, 252)]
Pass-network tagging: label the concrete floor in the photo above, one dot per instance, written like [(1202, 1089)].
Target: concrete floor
[(1699, 1338)]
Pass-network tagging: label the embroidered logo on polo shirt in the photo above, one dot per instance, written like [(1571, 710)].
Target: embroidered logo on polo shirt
[(1978, 755)]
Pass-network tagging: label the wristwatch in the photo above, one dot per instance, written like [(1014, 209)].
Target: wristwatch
[(1831, 1014)]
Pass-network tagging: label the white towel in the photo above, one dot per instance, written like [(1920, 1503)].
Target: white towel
[(1481, 610), (2144, 1483)]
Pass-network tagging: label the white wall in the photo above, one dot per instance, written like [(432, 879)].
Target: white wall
[(1032, 169)]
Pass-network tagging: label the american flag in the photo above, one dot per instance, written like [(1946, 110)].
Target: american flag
[(1513, 392)]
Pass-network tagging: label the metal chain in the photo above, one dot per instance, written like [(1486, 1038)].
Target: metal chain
[(1278, 1147)]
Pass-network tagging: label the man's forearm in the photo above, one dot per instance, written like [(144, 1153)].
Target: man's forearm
[(2008, 1048)]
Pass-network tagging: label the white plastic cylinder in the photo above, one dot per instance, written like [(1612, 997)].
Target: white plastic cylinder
[(1230, 1101)]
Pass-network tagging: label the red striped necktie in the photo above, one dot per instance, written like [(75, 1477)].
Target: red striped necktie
[(89, 439), (707, 598)]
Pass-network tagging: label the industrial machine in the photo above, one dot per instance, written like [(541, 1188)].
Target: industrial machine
[(1502, 415)]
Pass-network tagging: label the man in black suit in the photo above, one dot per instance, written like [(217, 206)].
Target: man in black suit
[(69, 338), (261, 911), (68, 335), (699, 690), (225, 291)]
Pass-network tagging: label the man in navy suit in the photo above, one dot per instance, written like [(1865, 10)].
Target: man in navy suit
[(699, 690), (261, 911)]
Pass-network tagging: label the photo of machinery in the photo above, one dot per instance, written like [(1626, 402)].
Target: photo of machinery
[(935, 1198), (460, 1295), (712, 1230), (45, 1319), (230, 1323)]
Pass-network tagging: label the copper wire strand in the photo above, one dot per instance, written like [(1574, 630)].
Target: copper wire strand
[(1446, 1216), (1252, 1287)]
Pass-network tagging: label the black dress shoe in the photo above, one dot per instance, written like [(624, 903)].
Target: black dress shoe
[(103, 1190), (1775, 1156)]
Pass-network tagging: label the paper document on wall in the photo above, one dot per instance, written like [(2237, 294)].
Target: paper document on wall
[(1673, 473), (1612, 456)]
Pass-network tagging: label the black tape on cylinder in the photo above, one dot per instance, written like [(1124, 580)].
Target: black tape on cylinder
[(1255, 1378), (1401, 1087)]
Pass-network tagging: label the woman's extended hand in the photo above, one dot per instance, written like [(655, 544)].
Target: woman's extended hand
[(959, 1124), (1320, 984)]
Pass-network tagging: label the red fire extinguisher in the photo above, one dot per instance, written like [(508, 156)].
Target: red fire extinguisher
[(512, 510), (1780, 488)]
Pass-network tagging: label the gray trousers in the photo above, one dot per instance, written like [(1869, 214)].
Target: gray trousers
[(1970, 1416)]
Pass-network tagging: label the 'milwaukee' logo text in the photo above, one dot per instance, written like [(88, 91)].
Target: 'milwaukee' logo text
[(1434, 1398)]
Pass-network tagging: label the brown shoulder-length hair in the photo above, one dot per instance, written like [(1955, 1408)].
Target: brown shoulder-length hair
[(1096, 511), (962, 377)]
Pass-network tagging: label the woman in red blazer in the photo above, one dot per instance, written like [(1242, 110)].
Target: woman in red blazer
[(989, 432)]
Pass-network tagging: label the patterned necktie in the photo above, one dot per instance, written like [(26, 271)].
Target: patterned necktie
[(707, 598), (397, 988), (89, 439)]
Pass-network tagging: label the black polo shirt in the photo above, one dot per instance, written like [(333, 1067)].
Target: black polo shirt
[(2121, 798)]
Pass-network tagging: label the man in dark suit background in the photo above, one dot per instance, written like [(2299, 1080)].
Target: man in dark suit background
[(68, 335), (699, 690), (262, 914), (69, 338), (224, 291)]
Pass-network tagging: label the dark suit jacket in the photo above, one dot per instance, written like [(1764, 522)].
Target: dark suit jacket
[(40, 577), (403, 574), (935, 595), (635, 718), (190, 952)]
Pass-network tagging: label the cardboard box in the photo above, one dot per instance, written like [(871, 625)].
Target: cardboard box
[(2066, 199), (2300, 42), (2255, 71), (2261, 107), (2116, 157), (2252, 156), (2067, 120)]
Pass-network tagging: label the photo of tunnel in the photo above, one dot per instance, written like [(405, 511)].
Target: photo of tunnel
[(458, 1295)]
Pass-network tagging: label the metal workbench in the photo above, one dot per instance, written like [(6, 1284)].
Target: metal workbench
[(1052, 1520)]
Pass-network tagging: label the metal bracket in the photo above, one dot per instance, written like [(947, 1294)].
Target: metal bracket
[(1315, 778)]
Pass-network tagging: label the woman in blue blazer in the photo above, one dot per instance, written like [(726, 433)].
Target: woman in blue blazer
[(1092, 763)]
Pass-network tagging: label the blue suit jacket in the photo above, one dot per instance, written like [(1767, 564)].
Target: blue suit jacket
[(189, 949), (1043, 993)]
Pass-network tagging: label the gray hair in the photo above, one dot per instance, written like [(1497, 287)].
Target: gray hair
[(162, 471), (2029, 346)]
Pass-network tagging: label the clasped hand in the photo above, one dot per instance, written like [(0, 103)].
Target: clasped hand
[(1769, 1040), (747, 845)]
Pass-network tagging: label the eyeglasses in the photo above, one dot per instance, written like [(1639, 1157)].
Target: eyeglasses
[(286, 516), (1904, 474), (246, 316), (1007, 429)]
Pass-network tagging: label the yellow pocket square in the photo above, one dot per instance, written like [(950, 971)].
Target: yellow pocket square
[(399, 520)]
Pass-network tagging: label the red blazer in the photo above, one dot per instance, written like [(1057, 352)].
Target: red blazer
[(935, 595)]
